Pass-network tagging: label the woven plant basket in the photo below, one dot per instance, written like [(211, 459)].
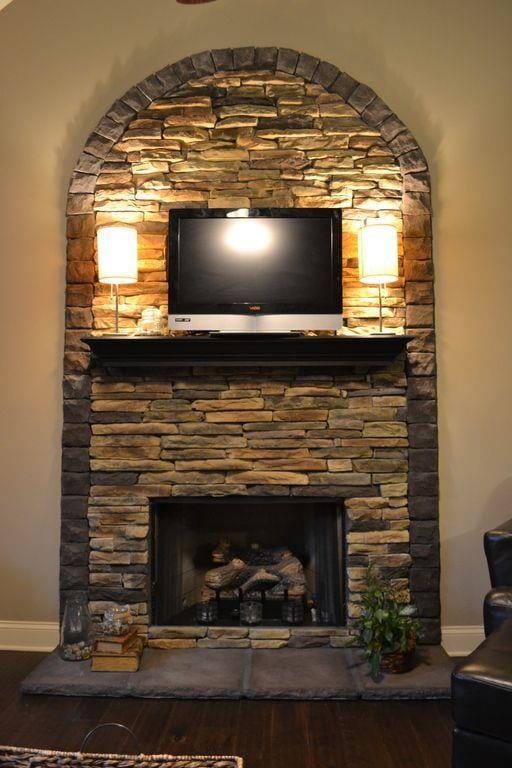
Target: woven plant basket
[(399, 662), (19, 757)]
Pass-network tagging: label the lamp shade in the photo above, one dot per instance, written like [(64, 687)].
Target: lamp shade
[(117, 254), (378, 254)]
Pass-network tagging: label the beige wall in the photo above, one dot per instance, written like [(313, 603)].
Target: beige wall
[(443, 66)]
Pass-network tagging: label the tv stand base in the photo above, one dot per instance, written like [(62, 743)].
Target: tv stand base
[(240, 336)]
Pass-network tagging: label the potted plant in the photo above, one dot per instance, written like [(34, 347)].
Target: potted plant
[(386, 628)]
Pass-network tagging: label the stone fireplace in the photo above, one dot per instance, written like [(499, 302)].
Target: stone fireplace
[(249, 127)]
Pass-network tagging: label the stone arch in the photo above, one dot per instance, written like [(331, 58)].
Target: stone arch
[(361, 97), (411, 309), (372, 111)]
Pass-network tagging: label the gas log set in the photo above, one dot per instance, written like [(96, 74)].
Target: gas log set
[(274, 571), (272, 576)]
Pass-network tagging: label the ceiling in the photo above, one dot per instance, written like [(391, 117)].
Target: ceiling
[(4, 3)]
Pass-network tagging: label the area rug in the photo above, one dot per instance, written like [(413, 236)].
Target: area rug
[(20, 757)]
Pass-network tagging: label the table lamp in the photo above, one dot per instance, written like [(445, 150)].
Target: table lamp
[(117, 258), (378, 258)]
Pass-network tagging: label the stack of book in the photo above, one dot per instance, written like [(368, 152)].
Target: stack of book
[(118, 653)]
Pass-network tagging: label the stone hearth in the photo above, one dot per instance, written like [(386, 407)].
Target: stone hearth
[(319, 673), (261, 128)]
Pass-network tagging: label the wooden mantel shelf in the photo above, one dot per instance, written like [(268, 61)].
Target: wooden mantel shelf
[(157, 352)]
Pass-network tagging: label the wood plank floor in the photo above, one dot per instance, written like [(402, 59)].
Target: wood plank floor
[(267, 734)]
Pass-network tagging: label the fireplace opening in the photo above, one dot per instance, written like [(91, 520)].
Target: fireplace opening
[(277, 552)]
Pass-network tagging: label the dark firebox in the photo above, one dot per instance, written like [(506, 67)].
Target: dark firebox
[(271, 550)]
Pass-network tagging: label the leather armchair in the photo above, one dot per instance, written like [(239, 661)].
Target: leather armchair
[(482, 682), (482, 704), (498, 602)]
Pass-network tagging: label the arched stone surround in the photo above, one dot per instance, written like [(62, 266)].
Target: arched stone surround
[(307, 135)]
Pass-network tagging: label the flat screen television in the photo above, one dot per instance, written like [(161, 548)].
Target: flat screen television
[(255, 270)]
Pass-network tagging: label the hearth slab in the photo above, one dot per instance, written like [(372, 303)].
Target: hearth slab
[(191, 674), (430, 679), (308, 673), (66, 678), (288, 673), (181, 674)]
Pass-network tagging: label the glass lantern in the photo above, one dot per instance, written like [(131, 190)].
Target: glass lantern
[(251, 612), (207, 612), (292, 612), (117, 620), (76, 630)]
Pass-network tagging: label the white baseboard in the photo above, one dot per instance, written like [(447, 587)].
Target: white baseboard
[(29, 635), (44, 636), (461, 640)]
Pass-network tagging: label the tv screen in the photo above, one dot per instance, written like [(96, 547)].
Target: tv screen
[(279, 261), (278, 266)]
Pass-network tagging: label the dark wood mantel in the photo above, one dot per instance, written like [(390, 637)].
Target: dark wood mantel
[(114, 352)]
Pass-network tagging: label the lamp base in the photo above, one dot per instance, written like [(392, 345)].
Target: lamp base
[(116, 334)]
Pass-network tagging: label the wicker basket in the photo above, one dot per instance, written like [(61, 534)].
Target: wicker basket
[(398, 662), (19, 757)]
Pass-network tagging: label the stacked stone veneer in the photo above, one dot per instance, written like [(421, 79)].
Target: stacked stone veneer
[(239, 128)]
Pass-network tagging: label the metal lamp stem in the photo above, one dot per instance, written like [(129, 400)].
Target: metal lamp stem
[(380, 308), (116, 291)]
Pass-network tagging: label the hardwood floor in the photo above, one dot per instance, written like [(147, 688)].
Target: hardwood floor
[(267, 734)]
